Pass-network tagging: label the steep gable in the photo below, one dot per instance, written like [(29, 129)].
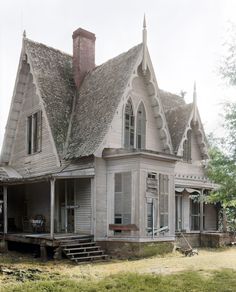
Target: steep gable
[(98, 98), (53, 73), (177, 119)]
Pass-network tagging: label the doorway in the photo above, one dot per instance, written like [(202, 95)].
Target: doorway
[(67, 206)]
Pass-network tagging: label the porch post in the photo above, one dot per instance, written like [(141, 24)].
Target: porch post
[(52, 211), (201, 211), (5, 208)]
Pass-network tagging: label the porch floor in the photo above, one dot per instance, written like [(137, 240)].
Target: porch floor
[(42, 238)]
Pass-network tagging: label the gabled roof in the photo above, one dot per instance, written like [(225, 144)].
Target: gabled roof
[(98, 98), (53, 72), (177, 120)]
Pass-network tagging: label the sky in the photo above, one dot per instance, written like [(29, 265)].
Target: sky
[(185, 41)]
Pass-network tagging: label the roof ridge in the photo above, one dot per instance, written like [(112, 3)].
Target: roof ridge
[(46, 46), (113, 58), (178, 107)]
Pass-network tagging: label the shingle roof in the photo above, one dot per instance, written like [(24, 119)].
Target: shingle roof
[(53, 71), (3, 173), (98, 98), (170, 100), (177, 119)]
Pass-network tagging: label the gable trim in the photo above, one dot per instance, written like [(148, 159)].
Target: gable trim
[(203, 143)]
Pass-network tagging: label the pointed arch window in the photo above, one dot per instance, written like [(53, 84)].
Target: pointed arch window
[(141, 127), (129, 125), (187, 155)]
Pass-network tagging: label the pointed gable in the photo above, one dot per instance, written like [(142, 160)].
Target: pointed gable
[(52, 70), (98, 98), (177, 120)]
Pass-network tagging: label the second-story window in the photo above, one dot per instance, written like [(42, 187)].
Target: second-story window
[(129, 126), (141, 127), (34, 132), (187, 155)]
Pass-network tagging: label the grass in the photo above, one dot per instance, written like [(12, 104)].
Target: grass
[(212, 270), (219, 281)]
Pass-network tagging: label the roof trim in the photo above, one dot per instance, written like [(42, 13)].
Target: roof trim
[(203, 144)]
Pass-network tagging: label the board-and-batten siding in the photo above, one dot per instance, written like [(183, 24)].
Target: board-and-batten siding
[(38, 163), (83, 214)]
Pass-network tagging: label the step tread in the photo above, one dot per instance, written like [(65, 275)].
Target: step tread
[(85, 252), (82, 248), (91, 257), (78, 243)]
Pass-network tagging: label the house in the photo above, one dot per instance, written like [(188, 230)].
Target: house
[(101, 151)]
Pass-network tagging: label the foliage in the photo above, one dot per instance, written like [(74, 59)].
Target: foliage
[(223, 280), (222, 170)]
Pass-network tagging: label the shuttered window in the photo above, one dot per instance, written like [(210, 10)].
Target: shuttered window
[(129, 125), (34, 132), (187, 155), (164, 200), (123, 198), (141, 127)]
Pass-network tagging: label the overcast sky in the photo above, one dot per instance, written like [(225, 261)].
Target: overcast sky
[(185, 40)]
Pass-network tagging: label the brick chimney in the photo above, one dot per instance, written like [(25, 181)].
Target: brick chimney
[(83, 54)]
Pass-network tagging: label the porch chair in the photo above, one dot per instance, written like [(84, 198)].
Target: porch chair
[(38, 223)]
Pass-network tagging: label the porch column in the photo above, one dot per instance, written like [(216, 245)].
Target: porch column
[(201, 211), (52, 210), (5, 208)]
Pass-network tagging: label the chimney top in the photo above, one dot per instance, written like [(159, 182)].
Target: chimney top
[(84, 33)]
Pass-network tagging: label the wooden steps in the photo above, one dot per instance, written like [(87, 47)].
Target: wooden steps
[(83, 250)]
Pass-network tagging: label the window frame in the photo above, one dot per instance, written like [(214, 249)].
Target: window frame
[(141, 122), (187, 148), (129, 128), (34, 133), (122, 193)]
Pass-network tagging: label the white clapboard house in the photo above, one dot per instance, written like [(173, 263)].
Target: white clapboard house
[(100, 151)]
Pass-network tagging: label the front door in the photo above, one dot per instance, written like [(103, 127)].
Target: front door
[(68, 206)]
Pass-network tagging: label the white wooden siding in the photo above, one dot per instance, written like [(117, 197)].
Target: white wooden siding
[(38, 163), (116, 131), (83, 214)]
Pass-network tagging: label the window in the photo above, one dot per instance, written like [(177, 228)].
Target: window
[(195, 215), (141, 127), (150, 214), (34, 132), (187, 148), (122, 198), (164, 200), (152, 182), (129, 125)]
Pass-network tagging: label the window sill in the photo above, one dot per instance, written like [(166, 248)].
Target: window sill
[(123, 227)]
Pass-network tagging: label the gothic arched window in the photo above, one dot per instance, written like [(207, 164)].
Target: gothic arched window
[(129, 125), (141, 127), (187, 155)]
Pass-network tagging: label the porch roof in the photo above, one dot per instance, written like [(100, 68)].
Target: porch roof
[(81, 173)]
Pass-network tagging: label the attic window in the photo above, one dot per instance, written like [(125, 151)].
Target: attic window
[(187, 155), (34, 132), (141, 127), (129, 126)]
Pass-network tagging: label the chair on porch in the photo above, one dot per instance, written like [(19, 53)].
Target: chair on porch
[(38, 223)]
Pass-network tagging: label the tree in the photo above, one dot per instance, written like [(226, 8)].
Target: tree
[(222, 165)]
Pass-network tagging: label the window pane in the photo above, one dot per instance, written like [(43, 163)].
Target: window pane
[(29, 135), (122, 198)]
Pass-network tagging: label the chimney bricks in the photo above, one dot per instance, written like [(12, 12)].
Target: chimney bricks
[(83, 54)]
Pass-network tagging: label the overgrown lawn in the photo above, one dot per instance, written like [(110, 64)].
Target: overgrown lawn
[(218, 281)]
